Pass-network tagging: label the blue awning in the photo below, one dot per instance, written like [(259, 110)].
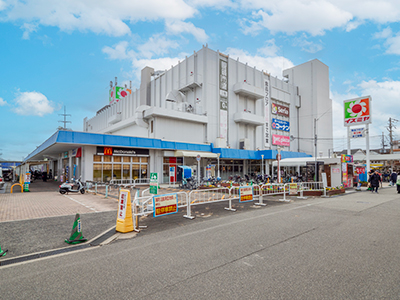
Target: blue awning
[(62, 141), (249, 154)]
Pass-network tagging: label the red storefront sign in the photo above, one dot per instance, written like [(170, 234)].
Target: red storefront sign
[(280, 140)]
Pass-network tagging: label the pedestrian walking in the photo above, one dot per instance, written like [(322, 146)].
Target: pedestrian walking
[(398, 184), (393, 178), (375, 179)]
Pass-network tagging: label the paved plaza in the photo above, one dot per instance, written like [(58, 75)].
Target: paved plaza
[(45, 201)]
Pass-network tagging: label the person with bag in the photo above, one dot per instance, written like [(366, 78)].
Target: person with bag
[(375, 179)]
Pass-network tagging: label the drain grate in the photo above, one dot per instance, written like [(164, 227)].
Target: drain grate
[(104, 237)]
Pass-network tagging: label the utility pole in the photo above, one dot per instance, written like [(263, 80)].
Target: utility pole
[(65, 118), (390, 128)]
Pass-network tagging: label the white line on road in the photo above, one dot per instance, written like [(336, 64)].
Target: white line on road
[(80, 203)]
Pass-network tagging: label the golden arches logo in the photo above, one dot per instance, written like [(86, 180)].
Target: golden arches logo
[(108, 151)]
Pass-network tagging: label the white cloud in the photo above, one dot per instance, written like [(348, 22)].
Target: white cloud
[(273, 65), (218, 4), (392, 42), (384, 34), (305, 45), (379, 11), (33, 104), (162, 63), (269, 49), (118, 51), (157, 45), (316, 16), (353, 25), (100, 16), (2, 102), (290, 16), (3, 5), (177, 27), (28, 29)]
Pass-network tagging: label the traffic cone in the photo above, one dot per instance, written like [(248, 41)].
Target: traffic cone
[(76, 234), (3, 253)]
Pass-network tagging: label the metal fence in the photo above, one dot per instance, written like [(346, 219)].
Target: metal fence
[(142, 205), (132, 182)]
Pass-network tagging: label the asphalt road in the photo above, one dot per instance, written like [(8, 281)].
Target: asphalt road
[(338, 248)]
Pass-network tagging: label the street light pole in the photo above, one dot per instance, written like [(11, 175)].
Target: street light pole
[(315, 145), (218, 154), (262, 165)]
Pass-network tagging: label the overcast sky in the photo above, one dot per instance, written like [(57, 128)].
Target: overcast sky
[(57, 53)]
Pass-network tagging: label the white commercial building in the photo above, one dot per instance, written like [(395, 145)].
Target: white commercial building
[(234, 116)]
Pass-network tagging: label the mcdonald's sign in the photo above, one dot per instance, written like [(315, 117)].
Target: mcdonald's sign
[(108, 151)]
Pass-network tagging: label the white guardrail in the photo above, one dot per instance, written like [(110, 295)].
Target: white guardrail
[(143, 205), (133, 182)]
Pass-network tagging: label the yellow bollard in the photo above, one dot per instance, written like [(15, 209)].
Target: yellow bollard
[(22, 189)]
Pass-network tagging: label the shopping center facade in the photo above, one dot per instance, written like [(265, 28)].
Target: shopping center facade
[(231, 116)]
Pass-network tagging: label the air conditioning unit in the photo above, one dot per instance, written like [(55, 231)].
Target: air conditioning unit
[(244, 144), (220, 143)]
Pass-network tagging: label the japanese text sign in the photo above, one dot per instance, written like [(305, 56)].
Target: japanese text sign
[(280, 125), (245, 193), (123, 198), (357, 111), (165, 204), (357, 132), (280, 140)]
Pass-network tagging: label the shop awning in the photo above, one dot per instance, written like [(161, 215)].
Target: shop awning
[(180, 153), (302, 161)]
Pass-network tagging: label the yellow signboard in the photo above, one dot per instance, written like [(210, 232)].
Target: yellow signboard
[(124, 219)]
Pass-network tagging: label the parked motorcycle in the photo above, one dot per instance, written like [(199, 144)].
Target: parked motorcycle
[(67, 187)]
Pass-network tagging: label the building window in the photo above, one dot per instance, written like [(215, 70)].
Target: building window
[(151, 126), (107, 168)]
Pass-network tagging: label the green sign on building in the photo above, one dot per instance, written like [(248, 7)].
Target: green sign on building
[(154, 183)]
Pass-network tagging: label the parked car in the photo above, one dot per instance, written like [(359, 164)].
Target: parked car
[(1, 178)]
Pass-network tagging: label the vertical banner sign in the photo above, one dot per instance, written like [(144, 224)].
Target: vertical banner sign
[(124, 219), (27, 178), (357, 111), (165, 204), (172, 174), (267, 104), (223, 99), (245, 193), (154, 183), (123, 196), (344, 174)]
